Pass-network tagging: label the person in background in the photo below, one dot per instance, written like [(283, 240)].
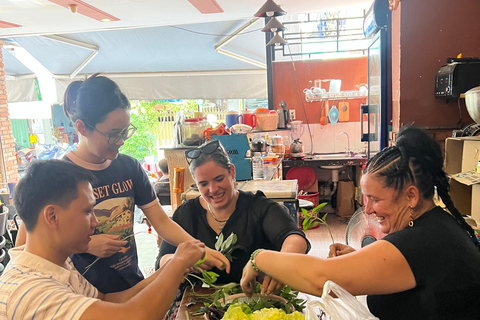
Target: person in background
[(162, 186), (427, 267), (100, 113), (40, 280)]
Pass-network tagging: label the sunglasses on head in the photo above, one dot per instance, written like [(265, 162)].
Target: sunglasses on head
[(195, 153)]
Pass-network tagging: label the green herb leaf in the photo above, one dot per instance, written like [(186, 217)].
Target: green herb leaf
[(219, 242)]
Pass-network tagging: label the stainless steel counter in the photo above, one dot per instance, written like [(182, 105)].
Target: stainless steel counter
[(326, 159)]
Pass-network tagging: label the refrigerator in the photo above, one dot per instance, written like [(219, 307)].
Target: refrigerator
[(376, 115)]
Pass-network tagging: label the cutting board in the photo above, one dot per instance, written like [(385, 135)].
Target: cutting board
[(343, 111)]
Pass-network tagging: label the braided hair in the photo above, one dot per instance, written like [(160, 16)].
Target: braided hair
[(416, 159), (93, 99)]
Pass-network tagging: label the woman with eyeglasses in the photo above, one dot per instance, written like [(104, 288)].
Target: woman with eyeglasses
[(257, 221), (101, 115)]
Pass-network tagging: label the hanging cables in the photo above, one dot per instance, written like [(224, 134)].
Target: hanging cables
[(301, 99)]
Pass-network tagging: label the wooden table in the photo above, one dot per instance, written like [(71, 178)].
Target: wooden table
[(191, 309)]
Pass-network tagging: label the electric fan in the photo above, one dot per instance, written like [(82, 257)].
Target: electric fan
[(362, 229)]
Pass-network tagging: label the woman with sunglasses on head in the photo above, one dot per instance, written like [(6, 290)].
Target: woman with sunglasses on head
[(256, 220), (101, 115)]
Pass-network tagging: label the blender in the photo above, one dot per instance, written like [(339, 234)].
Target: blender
[(296, 132)]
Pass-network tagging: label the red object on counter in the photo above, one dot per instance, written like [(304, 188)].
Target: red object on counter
[(220, 130)]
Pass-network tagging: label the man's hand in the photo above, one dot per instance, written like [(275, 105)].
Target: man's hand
[(105, 245), (338, 249), (190, 251), (248, 280)]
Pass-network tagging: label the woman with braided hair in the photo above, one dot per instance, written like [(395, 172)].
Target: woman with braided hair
[(427, 267)]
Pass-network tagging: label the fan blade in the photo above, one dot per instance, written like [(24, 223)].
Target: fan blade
[(206, 6)]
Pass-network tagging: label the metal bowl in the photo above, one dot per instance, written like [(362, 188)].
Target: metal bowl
[(472, 101)]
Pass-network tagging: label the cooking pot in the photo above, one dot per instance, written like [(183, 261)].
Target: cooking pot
[(472, 101), (259, 145)]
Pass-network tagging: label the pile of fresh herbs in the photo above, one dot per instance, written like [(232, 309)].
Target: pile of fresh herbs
[(216, 309), (212, 302)]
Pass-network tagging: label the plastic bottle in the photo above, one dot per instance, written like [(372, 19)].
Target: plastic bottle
[(257, 166)]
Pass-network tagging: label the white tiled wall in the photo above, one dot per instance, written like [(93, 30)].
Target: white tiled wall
[(326, 139)]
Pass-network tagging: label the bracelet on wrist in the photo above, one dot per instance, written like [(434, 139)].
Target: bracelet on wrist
[(252, 259)]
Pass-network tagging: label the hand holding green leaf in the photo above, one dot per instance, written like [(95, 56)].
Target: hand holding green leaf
[(312, 219)]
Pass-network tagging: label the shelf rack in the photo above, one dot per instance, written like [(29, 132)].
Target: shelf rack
[(342, 95)]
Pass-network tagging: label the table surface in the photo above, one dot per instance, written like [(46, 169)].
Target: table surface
[(191, 309)]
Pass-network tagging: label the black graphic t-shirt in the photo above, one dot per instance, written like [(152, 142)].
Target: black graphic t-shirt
[(120, 185)]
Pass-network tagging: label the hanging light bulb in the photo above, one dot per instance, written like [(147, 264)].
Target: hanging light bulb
[(274, 26), (270, 9), (277, 40)]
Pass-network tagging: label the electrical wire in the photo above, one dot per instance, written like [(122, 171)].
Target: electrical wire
[(214, 34), (301, 99)]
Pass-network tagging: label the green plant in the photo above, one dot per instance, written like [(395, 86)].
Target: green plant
[(144, 116), (312, 219)]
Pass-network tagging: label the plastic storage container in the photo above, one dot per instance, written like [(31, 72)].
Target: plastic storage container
[(192, 131), (257, 166), (267, 121)]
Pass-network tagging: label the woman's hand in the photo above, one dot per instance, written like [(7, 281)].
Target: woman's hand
[(105, 245), (270, 285), (248, 280), (338, 249), (215, 259)]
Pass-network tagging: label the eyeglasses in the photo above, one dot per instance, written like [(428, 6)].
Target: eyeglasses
[(208, 149), (113, 138)]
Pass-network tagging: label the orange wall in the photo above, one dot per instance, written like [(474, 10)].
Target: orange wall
[(351, 71), (431, 31)]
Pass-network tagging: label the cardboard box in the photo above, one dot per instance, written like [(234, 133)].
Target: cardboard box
[(461, 157), (465, 193), (461, 154)]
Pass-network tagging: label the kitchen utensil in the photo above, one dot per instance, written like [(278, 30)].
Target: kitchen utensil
[(333, 115), (296, 147), (241, 128), (472, 101), (232, 118), (192, 131), (343, 111), (308, 93), (323, 120), (296, 129), (259, 145), (277, 140), (283, 115), (249, 118)]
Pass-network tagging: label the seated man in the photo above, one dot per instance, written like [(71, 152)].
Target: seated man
[(55, 201), (162, 186)]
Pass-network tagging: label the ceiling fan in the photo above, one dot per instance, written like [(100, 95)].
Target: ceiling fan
[(206, 6)]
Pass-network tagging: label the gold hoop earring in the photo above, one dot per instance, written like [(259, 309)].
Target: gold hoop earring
[(410, 224)]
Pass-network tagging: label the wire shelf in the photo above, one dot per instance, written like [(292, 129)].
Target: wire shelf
[(342, 95)]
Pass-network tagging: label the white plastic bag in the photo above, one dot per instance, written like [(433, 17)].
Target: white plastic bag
[(345, 307)]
